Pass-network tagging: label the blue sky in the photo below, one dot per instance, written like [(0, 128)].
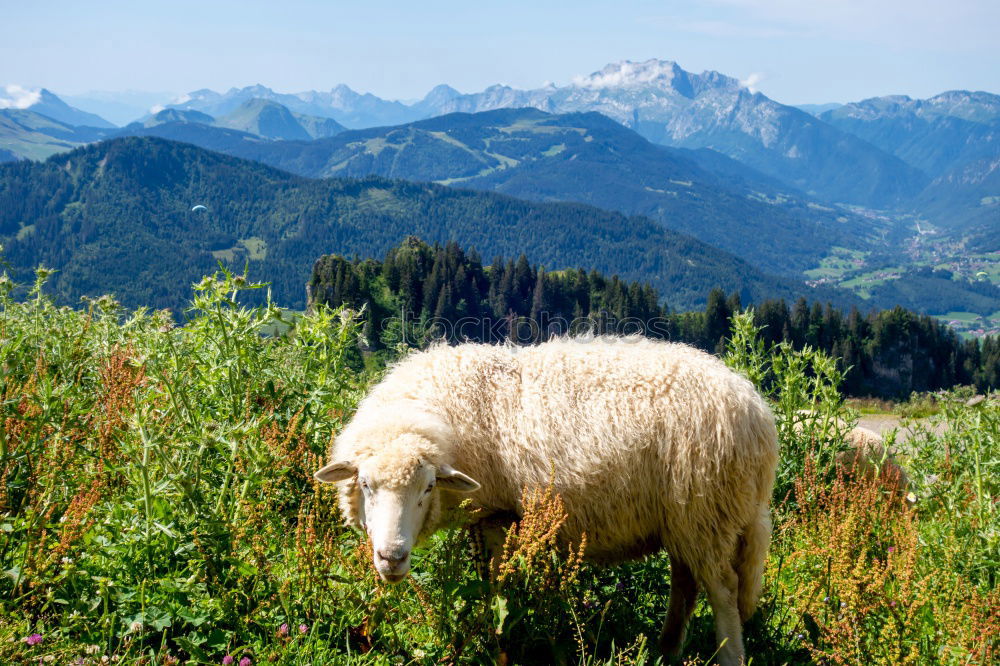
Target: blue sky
[(796, 51)]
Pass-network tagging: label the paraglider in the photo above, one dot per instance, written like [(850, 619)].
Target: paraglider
[(982, 275), (195, 209)]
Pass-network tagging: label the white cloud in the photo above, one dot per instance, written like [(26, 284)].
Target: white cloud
[(627, 73), (750, 83), (17, 97), (156, 108)]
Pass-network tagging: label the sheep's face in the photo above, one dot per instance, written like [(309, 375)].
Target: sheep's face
[(398, 504)]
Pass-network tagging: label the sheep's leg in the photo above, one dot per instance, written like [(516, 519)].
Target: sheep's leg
[(722, 589), (683, 592), (490, 535)]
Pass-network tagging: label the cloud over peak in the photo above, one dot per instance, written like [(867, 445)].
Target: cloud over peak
[(752, 81), (629, 74), (14, 96)]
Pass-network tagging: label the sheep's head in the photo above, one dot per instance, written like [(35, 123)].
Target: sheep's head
[(396, 501)]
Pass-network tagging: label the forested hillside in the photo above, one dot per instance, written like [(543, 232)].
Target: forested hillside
[(144, 218), (418, 292), (581, 157)]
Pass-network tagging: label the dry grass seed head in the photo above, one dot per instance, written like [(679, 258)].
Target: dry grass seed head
[(531, 547)]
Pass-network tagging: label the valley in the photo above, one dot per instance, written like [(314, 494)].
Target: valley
[(887, 201)]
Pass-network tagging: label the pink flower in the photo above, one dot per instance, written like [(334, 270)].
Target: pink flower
[(283, 629), (33, 639), (228, 660), (245, 661), (303, 628), (891, 548)]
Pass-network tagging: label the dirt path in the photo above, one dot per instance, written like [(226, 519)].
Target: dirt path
[(883, 423)]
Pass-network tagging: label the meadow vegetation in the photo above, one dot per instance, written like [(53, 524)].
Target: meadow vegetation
[(157, 507)]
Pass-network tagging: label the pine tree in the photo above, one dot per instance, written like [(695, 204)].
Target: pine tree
[(539, 306), (716, 319)]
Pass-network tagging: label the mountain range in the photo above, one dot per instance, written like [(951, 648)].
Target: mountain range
[(861, 194), (144, 218), (881, 153), (581, 157), (953, 137), (344, 105), (660, 101), (260, 117), (48, 104), (27, 133)]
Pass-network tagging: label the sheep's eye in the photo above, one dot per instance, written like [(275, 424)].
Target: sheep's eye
[(429, 488)]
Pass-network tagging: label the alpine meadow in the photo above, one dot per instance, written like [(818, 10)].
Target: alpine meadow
[(636, 367)]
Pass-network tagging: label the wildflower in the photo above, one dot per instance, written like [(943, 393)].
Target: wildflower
[(33, 639), (228, 660), (245, 661), (303, 628), (891, 548), (283, 629), (135, 627)]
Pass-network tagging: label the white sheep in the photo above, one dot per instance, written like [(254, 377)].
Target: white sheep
[(651, 446), (867, 456)]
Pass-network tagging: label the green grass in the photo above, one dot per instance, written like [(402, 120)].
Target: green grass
[(966, 317), (838, 263), (157, 507), (862, 284), (256, 247), (554, 150)]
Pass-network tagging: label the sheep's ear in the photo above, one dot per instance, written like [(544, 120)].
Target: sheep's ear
[(451, 479), (336, 471)]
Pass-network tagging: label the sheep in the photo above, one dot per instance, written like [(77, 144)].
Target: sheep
[(652, 446), (867, 456)]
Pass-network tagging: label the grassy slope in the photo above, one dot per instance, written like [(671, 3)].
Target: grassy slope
[(158, 505)]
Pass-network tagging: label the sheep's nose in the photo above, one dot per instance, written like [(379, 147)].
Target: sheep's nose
[(393, 559)]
